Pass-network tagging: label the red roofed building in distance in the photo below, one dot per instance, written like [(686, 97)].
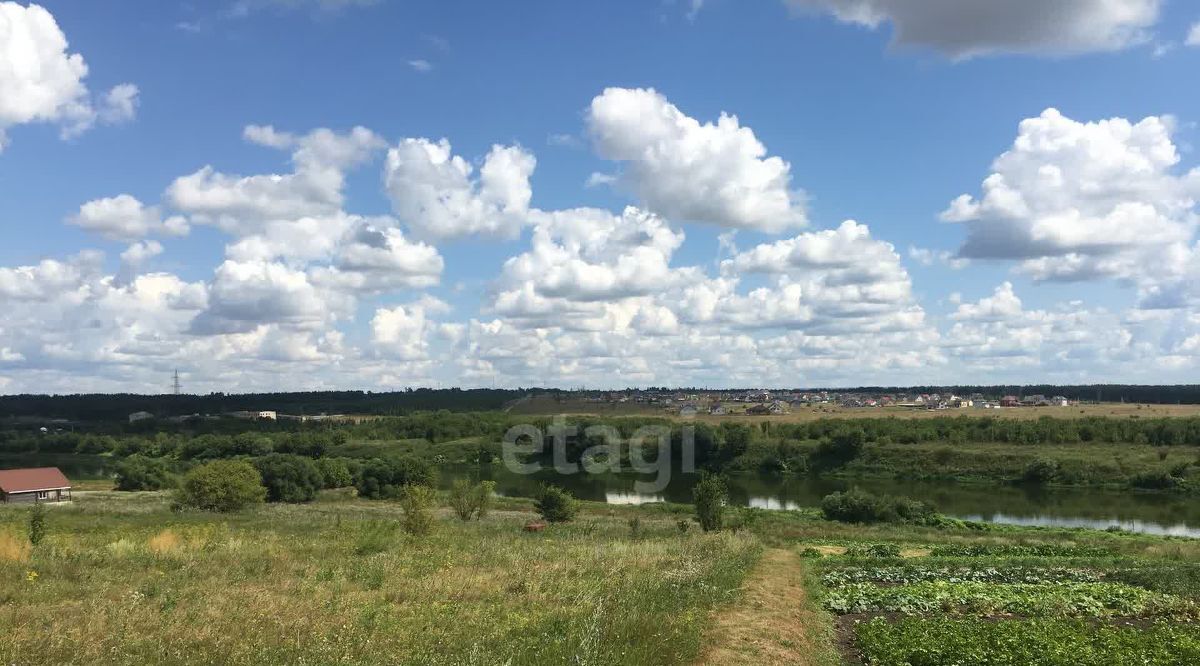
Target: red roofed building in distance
[(37, 484)]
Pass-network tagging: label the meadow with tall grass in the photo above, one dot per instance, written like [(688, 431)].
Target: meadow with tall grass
[(120, 578)]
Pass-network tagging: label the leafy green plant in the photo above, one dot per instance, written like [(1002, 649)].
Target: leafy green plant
[(983, 574), (556, 505), (37, 524), (950, 642), (1060, 599), (1015, 550), (883, 550)]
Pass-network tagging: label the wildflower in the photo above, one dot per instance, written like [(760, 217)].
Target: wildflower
[(31, 576)]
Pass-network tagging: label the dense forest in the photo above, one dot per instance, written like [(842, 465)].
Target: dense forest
[(118, 406)]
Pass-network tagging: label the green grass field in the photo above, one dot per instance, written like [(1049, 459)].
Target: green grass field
[(123, 579)]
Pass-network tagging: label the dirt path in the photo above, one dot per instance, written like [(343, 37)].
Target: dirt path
[(773, 622)]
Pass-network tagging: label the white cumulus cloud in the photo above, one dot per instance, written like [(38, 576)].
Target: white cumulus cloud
[(690, 171), (42, 81), (438, 196)]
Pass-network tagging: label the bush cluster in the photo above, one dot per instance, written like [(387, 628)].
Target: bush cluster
[(556, 505), (857, 506)]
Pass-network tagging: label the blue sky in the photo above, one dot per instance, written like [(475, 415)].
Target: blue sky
[(883, 118)]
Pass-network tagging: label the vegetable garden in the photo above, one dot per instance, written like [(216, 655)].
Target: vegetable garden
[(1052, 605)]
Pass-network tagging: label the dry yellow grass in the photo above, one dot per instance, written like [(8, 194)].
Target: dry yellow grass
[(13, 548), (165, 542)]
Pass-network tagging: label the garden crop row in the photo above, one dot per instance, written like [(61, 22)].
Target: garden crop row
[(1037, 550), (1060, 600), (951, 642), (998, 574)]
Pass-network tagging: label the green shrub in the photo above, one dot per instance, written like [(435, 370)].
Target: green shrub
[(556, 505), (37, 524), (811, 553), (386, 478), (1040, 472), (334, 473), (856, 506), (222, 485), (461, 500), (683, 525), (709, 496), (1156, 481), (471, 500), (289, 477), (417, 508), (137, 472)]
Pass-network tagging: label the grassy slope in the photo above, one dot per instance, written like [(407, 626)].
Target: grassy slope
[(288, 583)]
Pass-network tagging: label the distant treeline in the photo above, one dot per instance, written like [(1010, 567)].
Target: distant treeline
[(965, 429), (118, 406)]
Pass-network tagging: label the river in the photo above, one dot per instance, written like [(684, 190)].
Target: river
[(1058, 507)]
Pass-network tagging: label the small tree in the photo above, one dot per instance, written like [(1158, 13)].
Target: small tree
[(221, 485), (471, 500), (137, 472), (417, 505), (556, 505), (289, 478), (709, 496), (37, 524)]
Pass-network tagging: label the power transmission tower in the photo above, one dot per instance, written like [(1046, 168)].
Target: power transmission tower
[(175, 387)]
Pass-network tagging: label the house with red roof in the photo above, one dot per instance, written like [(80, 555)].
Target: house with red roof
[(37, 484)]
